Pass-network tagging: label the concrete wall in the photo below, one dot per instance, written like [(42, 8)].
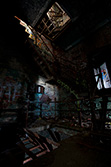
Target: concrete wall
[(16, 71)]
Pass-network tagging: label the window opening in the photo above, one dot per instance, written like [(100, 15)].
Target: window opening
[(40, 89), (102, 77)]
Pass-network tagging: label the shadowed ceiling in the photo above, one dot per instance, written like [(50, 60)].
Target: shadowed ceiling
[(86, 17)]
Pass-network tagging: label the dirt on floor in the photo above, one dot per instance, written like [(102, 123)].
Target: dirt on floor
[(76, 151)]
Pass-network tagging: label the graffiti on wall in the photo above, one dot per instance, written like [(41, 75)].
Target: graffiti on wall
[(67, 88), (10, 92)]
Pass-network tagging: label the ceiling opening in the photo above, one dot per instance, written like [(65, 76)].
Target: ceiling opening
[(55, 20)]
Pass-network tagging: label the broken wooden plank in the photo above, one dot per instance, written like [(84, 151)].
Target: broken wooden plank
[(22, 146)]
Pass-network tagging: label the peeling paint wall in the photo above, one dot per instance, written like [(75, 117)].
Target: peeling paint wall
[(48, 99)]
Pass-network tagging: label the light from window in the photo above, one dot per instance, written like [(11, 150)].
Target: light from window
[(102, 77)]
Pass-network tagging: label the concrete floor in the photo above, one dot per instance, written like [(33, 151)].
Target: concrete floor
[(75, 151), (73, 154)]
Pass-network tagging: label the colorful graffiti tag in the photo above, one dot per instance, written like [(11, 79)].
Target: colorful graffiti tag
[(68, 88)]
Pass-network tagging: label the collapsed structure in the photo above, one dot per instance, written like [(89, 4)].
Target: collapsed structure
[(55, 74)]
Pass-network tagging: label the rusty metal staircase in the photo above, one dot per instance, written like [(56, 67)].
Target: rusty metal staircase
[(38, 49), (39, 59)]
